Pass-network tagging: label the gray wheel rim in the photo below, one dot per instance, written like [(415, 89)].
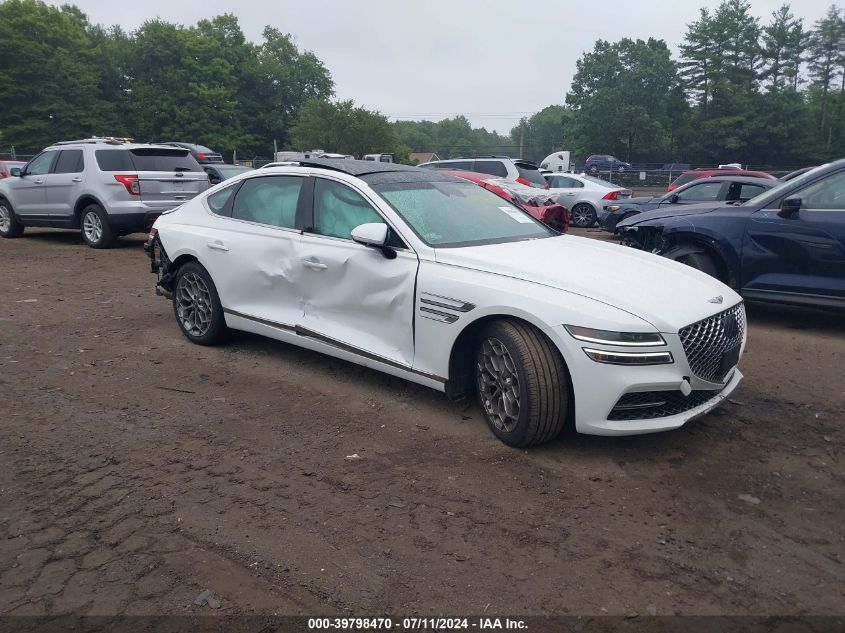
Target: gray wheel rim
[(5, 219), (582, 215), (193, 304), (498, 384), (92, 226)]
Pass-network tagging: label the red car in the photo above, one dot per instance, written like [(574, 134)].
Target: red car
[(695, 174), (554, 215), (6, 166)]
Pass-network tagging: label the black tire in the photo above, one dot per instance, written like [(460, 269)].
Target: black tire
[(583, 215), (698, 260), (94, 226), (10, 226), (543, 384), (195, 301)]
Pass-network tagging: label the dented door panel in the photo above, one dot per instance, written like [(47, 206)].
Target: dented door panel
[(353, 295), (256, 269)]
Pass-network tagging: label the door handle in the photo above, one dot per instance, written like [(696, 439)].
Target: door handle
[(38, 181), (313, 264), (217, 245), (77, 179)]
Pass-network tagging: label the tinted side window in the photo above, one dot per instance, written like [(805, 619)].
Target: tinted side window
[(70, 162), (750, 191), (217, 201), (338, 209), (41, 164), (705, 192), (492, 167), (114, 160), (270, 200), (829, 193)]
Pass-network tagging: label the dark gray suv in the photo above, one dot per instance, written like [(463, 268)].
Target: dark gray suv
[(103, 187)]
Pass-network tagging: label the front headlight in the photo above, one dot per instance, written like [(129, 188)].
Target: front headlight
[(629, 358), (622, 339)]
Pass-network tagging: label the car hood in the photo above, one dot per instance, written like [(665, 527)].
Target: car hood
[(673, 211), (667, 294)]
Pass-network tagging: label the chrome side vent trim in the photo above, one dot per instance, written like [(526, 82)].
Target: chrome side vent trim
[(436, 315), (446, 302)]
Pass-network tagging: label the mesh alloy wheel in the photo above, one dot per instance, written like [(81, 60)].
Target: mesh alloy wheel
[(193, 304), (498, 384)]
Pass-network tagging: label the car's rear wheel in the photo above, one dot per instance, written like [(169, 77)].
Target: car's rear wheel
[(583, 215), (197, 306), (9, 225), (94, 225), (698, 260), (523, 385)]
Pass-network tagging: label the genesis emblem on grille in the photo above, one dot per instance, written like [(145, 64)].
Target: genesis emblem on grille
[(718, 299)]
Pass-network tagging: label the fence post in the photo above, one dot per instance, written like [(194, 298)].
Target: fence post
[(14, 156)]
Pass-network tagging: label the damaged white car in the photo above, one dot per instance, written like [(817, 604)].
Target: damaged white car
[(436, 280)]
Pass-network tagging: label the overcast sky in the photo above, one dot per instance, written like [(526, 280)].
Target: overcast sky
[(492, 60)]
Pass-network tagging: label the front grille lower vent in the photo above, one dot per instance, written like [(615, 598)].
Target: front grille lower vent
[(647, 405)]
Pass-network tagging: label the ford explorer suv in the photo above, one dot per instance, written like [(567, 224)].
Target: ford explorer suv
[(105, 188)]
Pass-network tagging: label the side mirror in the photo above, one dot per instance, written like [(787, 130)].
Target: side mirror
[(374, 235), (214, 181), (15, 171), (674, 198), (790, 206)]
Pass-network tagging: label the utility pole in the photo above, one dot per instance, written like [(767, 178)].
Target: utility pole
[(522, 138), (275, 149)]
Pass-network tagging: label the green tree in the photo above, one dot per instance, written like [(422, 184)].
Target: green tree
[(547, 131), (51, 84), (287, 79), (627, 100), (782, 45), (825, 62), (344, 128)]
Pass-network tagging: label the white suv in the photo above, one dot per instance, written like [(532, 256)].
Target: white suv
[(517, 170), (103, 187)]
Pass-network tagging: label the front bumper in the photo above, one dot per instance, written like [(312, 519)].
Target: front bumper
[(598, 388)]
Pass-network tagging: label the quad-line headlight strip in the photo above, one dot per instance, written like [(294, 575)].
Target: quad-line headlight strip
[(621, 339)]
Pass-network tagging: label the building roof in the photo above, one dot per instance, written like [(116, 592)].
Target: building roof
[(423, 157)]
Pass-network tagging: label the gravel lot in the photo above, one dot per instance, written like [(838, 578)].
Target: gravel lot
[(137, 470)]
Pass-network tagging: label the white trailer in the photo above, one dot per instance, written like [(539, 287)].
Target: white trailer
[(558, 161)]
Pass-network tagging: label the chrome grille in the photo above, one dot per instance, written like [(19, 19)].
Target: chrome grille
[(706, 341)]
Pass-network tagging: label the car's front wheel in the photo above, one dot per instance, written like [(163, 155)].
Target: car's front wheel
[(94, 224), (583, 215), (698, 260), (9, 225), (523, 385), (197, 306)]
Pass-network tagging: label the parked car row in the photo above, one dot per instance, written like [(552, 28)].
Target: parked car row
[(728, 189), (787, 244)]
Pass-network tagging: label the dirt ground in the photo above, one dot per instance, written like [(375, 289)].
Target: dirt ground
[(138, 470)]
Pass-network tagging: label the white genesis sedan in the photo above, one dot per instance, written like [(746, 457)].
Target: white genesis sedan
[(441, 282)]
